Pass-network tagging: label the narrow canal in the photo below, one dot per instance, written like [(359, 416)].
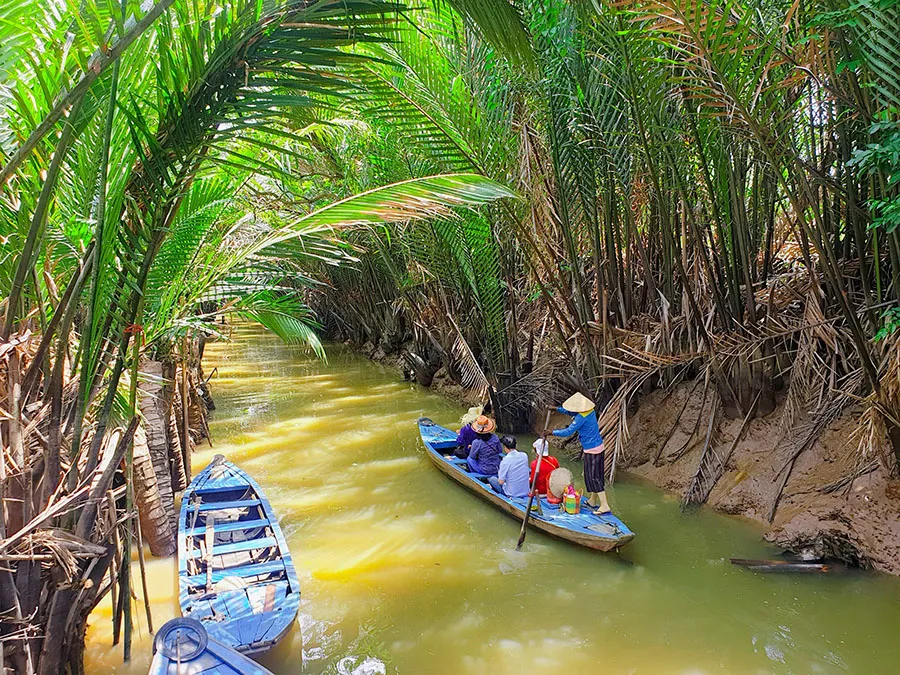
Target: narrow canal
[(403, 571)]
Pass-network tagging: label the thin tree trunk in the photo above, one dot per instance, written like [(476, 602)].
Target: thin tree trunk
[(176, 456)]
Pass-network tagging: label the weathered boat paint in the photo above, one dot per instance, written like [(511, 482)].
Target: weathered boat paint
[(245, 589), (183, 646)]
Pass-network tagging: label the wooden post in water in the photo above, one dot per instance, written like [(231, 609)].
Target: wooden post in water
[(140, 542), (185, 415)]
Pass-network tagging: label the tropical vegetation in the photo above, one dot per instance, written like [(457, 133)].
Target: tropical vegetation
[(534, 195)]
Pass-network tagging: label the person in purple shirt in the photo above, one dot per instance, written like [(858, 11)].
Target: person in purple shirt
[(484, 456), (464, 440)]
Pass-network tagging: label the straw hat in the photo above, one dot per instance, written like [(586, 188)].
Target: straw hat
[(483, 424), (541, 447), (578, 403), (471, 415), (559, 480)]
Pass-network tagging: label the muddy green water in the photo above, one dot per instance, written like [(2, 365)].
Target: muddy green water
[(403, 571)]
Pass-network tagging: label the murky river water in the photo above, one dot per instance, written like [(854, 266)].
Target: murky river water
[(402, 571)]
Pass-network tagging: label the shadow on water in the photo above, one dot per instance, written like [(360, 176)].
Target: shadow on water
[(403, 571)]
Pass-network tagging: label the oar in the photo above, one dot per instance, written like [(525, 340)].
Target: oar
[(537, 470)]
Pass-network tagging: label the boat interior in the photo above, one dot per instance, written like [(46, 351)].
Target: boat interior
[(235, 568)]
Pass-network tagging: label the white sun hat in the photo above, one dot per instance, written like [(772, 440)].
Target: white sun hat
[(541, 447)]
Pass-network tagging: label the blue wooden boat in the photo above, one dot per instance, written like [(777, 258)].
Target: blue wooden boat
[(235, 573), (183, 646), (603, 533)]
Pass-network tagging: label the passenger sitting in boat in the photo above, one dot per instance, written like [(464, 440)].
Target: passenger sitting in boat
[(466, 434), (512, 478), (484, 456), (548, 464)]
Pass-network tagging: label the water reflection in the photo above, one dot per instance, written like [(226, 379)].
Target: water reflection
[(402, 570)]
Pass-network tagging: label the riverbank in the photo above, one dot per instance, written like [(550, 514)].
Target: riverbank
[(819, 513)]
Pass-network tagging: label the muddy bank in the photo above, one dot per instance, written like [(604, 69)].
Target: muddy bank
[(823, 512), (441, 381)]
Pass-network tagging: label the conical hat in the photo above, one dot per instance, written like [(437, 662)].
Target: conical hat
[(579, 403), (559, 480), (470, 416)]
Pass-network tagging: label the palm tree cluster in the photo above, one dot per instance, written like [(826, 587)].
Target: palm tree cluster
[(709, 193), (144, 149), (657, 191)]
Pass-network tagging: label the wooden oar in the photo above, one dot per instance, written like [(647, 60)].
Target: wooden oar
[(537, 471)]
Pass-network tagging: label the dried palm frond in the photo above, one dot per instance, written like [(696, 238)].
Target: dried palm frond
[(878, 430), (805, 434), (473, 376)]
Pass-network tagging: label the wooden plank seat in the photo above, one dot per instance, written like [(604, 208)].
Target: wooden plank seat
[(235, 526), (237, 547), (218, 489), (242, 571), (222, 506)]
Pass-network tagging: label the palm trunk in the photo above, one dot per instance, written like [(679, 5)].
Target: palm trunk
[(153, 509), (156, 422), (176, 456)]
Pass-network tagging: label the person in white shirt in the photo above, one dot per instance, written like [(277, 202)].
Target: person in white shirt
[(512, 478)]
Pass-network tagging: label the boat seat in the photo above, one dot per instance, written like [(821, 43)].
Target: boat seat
[(237, 547), (236, 526), (443, 444), (242, 571), (216, 489), (222, 506)]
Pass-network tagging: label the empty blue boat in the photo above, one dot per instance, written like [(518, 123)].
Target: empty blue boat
[(603, 533), (183, 646), (235, 573)]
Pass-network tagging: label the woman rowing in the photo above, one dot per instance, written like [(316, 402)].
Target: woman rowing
[(585, 425)]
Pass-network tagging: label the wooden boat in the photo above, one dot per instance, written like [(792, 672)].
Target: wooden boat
[(183, 646), (235, 573), (602, 533)]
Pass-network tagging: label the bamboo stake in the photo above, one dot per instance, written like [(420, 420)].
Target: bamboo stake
[(114, 566), (185, 417), (140, 543)]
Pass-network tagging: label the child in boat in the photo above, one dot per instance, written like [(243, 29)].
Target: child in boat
[(547, 462), (484, 455), (512, 477)]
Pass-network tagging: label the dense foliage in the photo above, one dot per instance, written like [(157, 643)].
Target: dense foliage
[(141, 146), (661, 190), (710, 191)]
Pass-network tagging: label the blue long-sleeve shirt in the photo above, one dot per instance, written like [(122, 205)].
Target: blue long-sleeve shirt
[(585, 425), (484, 457)]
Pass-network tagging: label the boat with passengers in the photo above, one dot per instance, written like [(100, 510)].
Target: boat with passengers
[(603, 532)]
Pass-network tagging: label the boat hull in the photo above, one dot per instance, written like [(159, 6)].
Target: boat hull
[(601, 533), (235, 571)]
